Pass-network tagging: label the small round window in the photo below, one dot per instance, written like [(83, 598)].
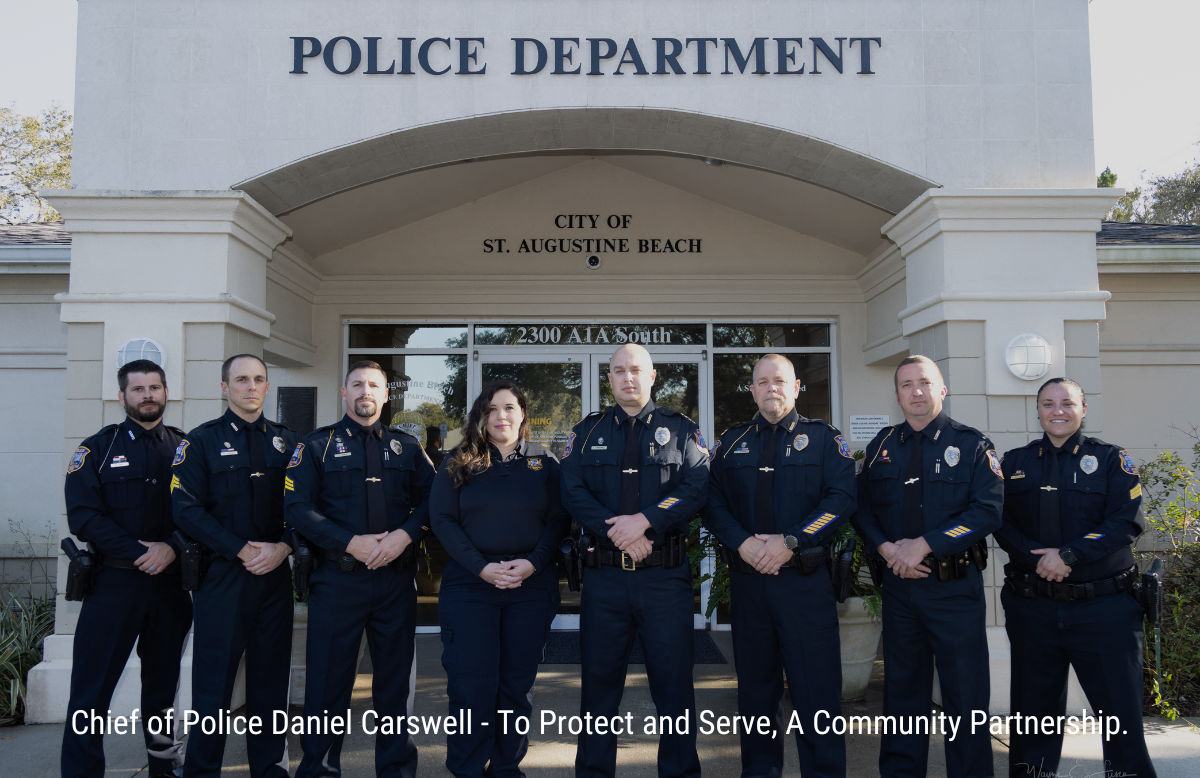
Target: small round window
[(140, 348)]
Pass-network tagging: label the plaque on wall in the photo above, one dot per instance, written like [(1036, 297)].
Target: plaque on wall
[(297, 409)]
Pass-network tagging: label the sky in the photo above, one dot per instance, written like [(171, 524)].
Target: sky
[(1147, 118)]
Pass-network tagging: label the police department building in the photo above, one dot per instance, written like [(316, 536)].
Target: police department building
[(467, 190)]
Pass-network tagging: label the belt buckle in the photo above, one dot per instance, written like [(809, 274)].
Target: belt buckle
[(1062, 591), (627, 562)]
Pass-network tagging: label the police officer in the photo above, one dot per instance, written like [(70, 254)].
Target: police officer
[(360, 491), (1072, 510), (227, 490), (632, 477), (781, 485), (929, 493), (117, 499), (496, 508)]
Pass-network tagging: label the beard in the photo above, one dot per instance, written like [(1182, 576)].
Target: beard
[(365, 407), (146, 412)]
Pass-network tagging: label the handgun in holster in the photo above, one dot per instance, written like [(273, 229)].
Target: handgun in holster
[(979, 555), (875, 566), (194, 560), (307, 561), (571, 562), (674, 549), (81, 572), (843, 570), (1019, 581), (1151, 592), (589, 551), (734, 560)]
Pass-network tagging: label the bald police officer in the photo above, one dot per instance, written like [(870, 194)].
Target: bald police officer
[(780, 487), (929, 494), (118, 500), (632, 477), (1072, 511)]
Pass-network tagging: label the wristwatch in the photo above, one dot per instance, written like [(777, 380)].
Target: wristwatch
[(1067, 555), (790, 541)]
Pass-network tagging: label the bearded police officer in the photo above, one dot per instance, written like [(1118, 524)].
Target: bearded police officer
[(1072, 510), (929, 493), (633, 476), (118, 501), (227, 489), (780, 486), (360, 491)]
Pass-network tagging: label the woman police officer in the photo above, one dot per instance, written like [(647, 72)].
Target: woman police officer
[(495, 508)]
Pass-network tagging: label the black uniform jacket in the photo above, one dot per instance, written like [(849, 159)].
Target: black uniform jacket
[(962, 501), (813, 480), (210, 484), (325, 487), (1100, 505), (512, 508), (673, 473), (115, 494)]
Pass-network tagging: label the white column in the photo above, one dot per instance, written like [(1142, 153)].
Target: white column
[(986, 265)]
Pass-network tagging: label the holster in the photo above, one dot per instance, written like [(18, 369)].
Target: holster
[(307, 561), (81, 572), (1019, 582), (843, 570), (1151, 592), (810, 559), (589, 552), (733, 559), (979, 555), (194, 560), (571, 562), (346, 563), (875, 567), (674, 549)]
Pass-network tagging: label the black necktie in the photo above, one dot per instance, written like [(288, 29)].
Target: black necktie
[(914, 489), (260, 485), (631, 488), (152, 528), (1051, 528), (376, 510), (764, 492)]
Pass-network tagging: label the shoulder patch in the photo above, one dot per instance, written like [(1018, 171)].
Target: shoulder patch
[(77, 459), (570, 445), (180, 453), (843, 446), (1127, 462), (994, 462), (297, 455), (700, 442), (716, 446)]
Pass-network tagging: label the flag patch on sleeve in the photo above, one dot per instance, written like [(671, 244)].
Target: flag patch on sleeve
[(668, 503), (819, 524), (959, 531)]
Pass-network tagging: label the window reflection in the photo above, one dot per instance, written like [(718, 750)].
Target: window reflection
[(554, 393), (677, 387), (733, 404), (770, 335), (408, 336)]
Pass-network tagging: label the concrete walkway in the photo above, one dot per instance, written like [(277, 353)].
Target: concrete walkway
[(33, 751)]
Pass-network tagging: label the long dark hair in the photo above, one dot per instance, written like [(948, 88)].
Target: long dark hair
[(472, 456)]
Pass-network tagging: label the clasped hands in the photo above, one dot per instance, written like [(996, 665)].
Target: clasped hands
[(765, 553), (905, 557), (261, 558), (380, 549), (1051, 566), (628, 533), (507, 575)]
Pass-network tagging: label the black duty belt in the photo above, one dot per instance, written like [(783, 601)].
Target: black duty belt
[(505, 557), (807, 560), (120, 564), (1030, 585), (346, 563), (625, 562)]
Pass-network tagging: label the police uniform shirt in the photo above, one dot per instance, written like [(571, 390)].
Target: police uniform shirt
[(325, 487), (512, 508), (117, 488), (963, 489), (672, 471), (212, 482), (813, 482), (1100, 505)]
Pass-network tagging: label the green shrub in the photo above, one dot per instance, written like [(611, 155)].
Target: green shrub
[(23, 627)]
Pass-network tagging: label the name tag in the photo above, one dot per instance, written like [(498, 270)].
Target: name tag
[(119, 464), (342, 455), (599, 448), (228, 452)]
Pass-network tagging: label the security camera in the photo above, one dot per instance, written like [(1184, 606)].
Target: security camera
[(593, 261)]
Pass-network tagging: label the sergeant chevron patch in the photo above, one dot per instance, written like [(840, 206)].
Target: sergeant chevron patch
[(288, 484), (174, 482), (1093, 536)]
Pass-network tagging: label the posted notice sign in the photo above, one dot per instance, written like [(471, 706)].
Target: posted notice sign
[(864, 427)]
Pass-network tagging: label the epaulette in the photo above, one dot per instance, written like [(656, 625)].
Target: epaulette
[(1099, 442), (104, 430), (736, 426), (965, 428), (210, 423), (326, 428), (280, 425), (176, 430)]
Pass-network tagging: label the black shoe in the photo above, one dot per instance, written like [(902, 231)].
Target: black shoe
[(176, 773)]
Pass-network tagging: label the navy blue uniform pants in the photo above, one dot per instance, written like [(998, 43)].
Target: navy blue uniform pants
[(492, 643), (617, 605), (1102, 639), (238, 612), (788, 623), (126, 606), (340, 606), (922, 619)]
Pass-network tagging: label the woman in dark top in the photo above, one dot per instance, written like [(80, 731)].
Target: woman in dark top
[(495, 508)]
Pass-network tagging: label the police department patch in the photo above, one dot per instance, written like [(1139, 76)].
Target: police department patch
[(77, 458), (843, 446), (700, 443), (534, 464), (994, 461), (800, 442), (180, 453), (570, 445), (716, 446), (277, 442), (1127, 462), (662, 436), (1089, 464), (952, 455), (397, 449), (297, 455)]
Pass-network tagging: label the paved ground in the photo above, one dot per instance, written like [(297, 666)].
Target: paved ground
[(32, 752)]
